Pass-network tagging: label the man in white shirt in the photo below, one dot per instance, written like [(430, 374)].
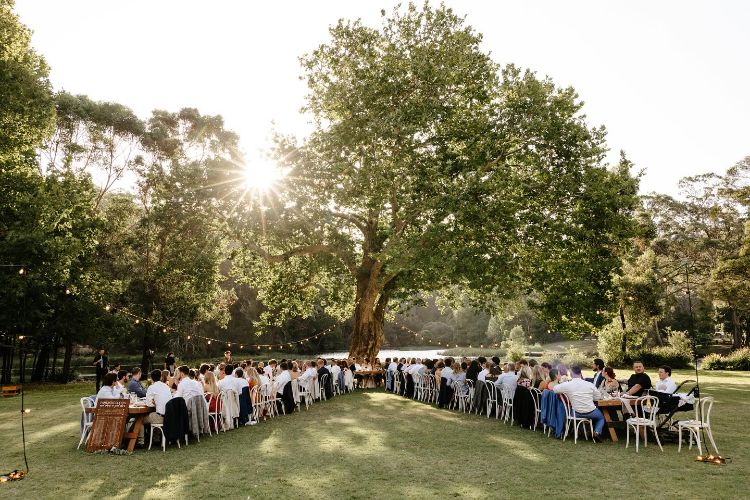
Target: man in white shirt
[(109, 389), (508, 378), (582, 395), (283, 378), (158, 395), (186, 388), (226, 380), (393, 366), (270, 369), (482, 375), (335, 369), (665, 383), (447, 372), (239, 381)]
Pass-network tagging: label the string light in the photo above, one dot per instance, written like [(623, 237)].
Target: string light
[(22, 271), (108, 308)]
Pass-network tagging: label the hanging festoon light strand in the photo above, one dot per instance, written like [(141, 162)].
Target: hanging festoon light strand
[(421, 336), (278, 345)]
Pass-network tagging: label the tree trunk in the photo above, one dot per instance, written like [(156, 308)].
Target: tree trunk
[(624, 345), (7, 373), (369, 316), (56, 349), (66, 360), (145, 357), (657, 333), (736, 330), (40, 363)]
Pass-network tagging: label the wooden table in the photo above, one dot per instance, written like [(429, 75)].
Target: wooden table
[(369, 376), (608, 406), (138, 413)]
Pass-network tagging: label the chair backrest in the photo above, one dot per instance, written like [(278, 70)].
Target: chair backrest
[(536, 395), (706, 405), (491, 390), (647, 407), (87, 403), (568, 408)]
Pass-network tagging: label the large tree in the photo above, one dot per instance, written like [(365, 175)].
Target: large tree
[(430, 166)]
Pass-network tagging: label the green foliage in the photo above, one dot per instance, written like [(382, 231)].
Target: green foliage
[(397, 189), (609, 342), (656, 356), (26, 109), (737, 360)]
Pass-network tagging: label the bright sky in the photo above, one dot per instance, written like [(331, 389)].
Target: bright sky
[(668, 79)]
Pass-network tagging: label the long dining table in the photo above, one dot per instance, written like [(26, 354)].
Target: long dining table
[(609, 409), (138, 413)]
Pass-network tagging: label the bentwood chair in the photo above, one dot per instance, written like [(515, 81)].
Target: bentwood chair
[(702, 421), (507, 393), (573, 420), (492, 403), (646, 408), (88, 420), (536, 395)]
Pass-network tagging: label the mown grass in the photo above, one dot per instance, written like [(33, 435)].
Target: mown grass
[(371, 444)]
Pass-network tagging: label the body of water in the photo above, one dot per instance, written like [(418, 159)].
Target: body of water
[(390, 353)]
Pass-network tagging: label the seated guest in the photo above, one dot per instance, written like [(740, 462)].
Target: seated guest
[(482, 375), (554, 378), (186, 388), (639, 382), (393, 365), (496, 360), (538, 379), (546, 367), (562, 370), (252, 377), (210, 386), (439, 366), (532, 363), (116, 369), (270, 370), (239, 381), (665, 383), (226, 377), (157, 395), (447, 372), (459, 379), (524, 376), (219, 371), (109, 389), (322, 370), (598, 379), (135, 387), (283, 378), (472, 372), (508, 378), (122, 381), (610, 385), (203, 369), (582, 395)]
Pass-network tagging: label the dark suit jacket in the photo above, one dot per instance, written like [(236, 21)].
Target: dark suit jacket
[(598, 379), (329, 383)]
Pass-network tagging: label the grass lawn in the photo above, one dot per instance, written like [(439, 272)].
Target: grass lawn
[(372, 444)]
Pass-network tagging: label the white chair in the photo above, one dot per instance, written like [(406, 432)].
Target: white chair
[(256, 401), (230, 404), (160, 428), (470, 403), (460, 400), (88, 420), (571, 419), (702, 421), (397, 382), (646, 408), (491, 398), (323, 381), (507, 392), (213, 416), (536, 395)]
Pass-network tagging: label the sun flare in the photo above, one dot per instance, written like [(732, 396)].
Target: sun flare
[(262, 175)]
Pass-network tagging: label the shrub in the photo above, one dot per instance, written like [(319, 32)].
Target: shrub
[(657, 356), (737, 360), (575, 357), (713, 361), (473, 352), (516, 351)]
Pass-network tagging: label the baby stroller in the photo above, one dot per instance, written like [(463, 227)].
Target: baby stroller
[(671, 404)]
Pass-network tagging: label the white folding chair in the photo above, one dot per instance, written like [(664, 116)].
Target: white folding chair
[(571, 419), (88, 420), (702, 421), (507, 392), (646, 408)]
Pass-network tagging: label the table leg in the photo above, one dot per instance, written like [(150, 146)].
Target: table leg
[(132, 436), (608, 419)]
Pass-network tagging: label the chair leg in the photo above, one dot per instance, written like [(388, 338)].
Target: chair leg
[(151, 437), (656, 436), (627, 436), (711, 438), (637, 433), (679, 439)]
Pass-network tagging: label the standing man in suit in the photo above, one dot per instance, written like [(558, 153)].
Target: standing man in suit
[(101, 362), (598, 379)]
